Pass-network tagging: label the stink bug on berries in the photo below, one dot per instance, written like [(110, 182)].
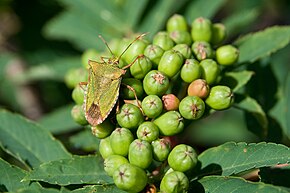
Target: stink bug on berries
[(102, 88)]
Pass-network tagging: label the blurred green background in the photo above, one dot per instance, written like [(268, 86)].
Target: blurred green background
[(40, 41)]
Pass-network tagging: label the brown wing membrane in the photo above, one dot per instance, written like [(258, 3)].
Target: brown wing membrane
[(93, 115)]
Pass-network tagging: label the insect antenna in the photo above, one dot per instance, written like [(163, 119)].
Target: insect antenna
[(106, 44), (137, 38)]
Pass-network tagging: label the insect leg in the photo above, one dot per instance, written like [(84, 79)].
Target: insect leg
[(82, 84), (135, 95), (128, 66)]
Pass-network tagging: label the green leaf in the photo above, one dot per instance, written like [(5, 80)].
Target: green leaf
[(250, 105), (11, 177), (59, 121), (232, 158), (260, 44), (85, 140), (110, 188), (236, 80), (37, 190), (202, 8), (27, 141), (220, 184), (76, 170)]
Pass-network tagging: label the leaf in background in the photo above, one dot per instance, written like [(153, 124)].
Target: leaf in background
[(157, 16), (108, 188), (220, 184), (59, 121), (260, 44), (76, 170), (250, 105), (202, 8), (240, 20), (84, 140), (232, 158), (11, 176), (236, 80), (278, 175), (27, 141), (37, 190)]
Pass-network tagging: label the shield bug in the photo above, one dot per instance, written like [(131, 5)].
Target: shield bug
[(102, 88)]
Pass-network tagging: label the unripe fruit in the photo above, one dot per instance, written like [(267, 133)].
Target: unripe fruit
[(147, 131), (170, 102), (163, 40), (134, 83), (105, 148), (174, 182), (78, 115), (161, 149), (191, 107), (181, 37), (155, 83), (198, 88), (182, 158), (135, 49), (89, 54), (170, 123), (176, 22), (227, 55), (130, 116), (201, 29), (141, 67), (103, 130), (78, 94), (140, 153), (218, 33), (170, 63), (74, 76), (154, 53), (210, 71), (113, 162), (130, 178), (190, 71), (184, 49), (220, 97), (152, 106), (120, 140), (202, 50)]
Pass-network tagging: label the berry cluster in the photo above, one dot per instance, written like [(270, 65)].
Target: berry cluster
[(175, 78)]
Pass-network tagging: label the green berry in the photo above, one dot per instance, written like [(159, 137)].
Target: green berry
[(201, 29), (176, 22), (155, 83), (169, 123), (113, 162), (135, 84), (74, 76), (182, 158), (141, 67), (147, 131), (170, 63), (140, 153), (174, 182), (89, 54), (129, 116), (202, 50), (105, 148), (161, 149), (137, 48), (130, 178), (163, 40), (190, 71), (181, 37), (218, 33), (227, 55), (152, 106), (210, 71), (184, 49), (198, 87), (220, 97), (78, 94), (191, 107), (170, 102), (78, 115), (154, 53), (120, 140), (103, 130)]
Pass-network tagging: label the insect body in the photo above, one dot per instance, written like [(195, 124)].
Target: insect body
[(103, 87)]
